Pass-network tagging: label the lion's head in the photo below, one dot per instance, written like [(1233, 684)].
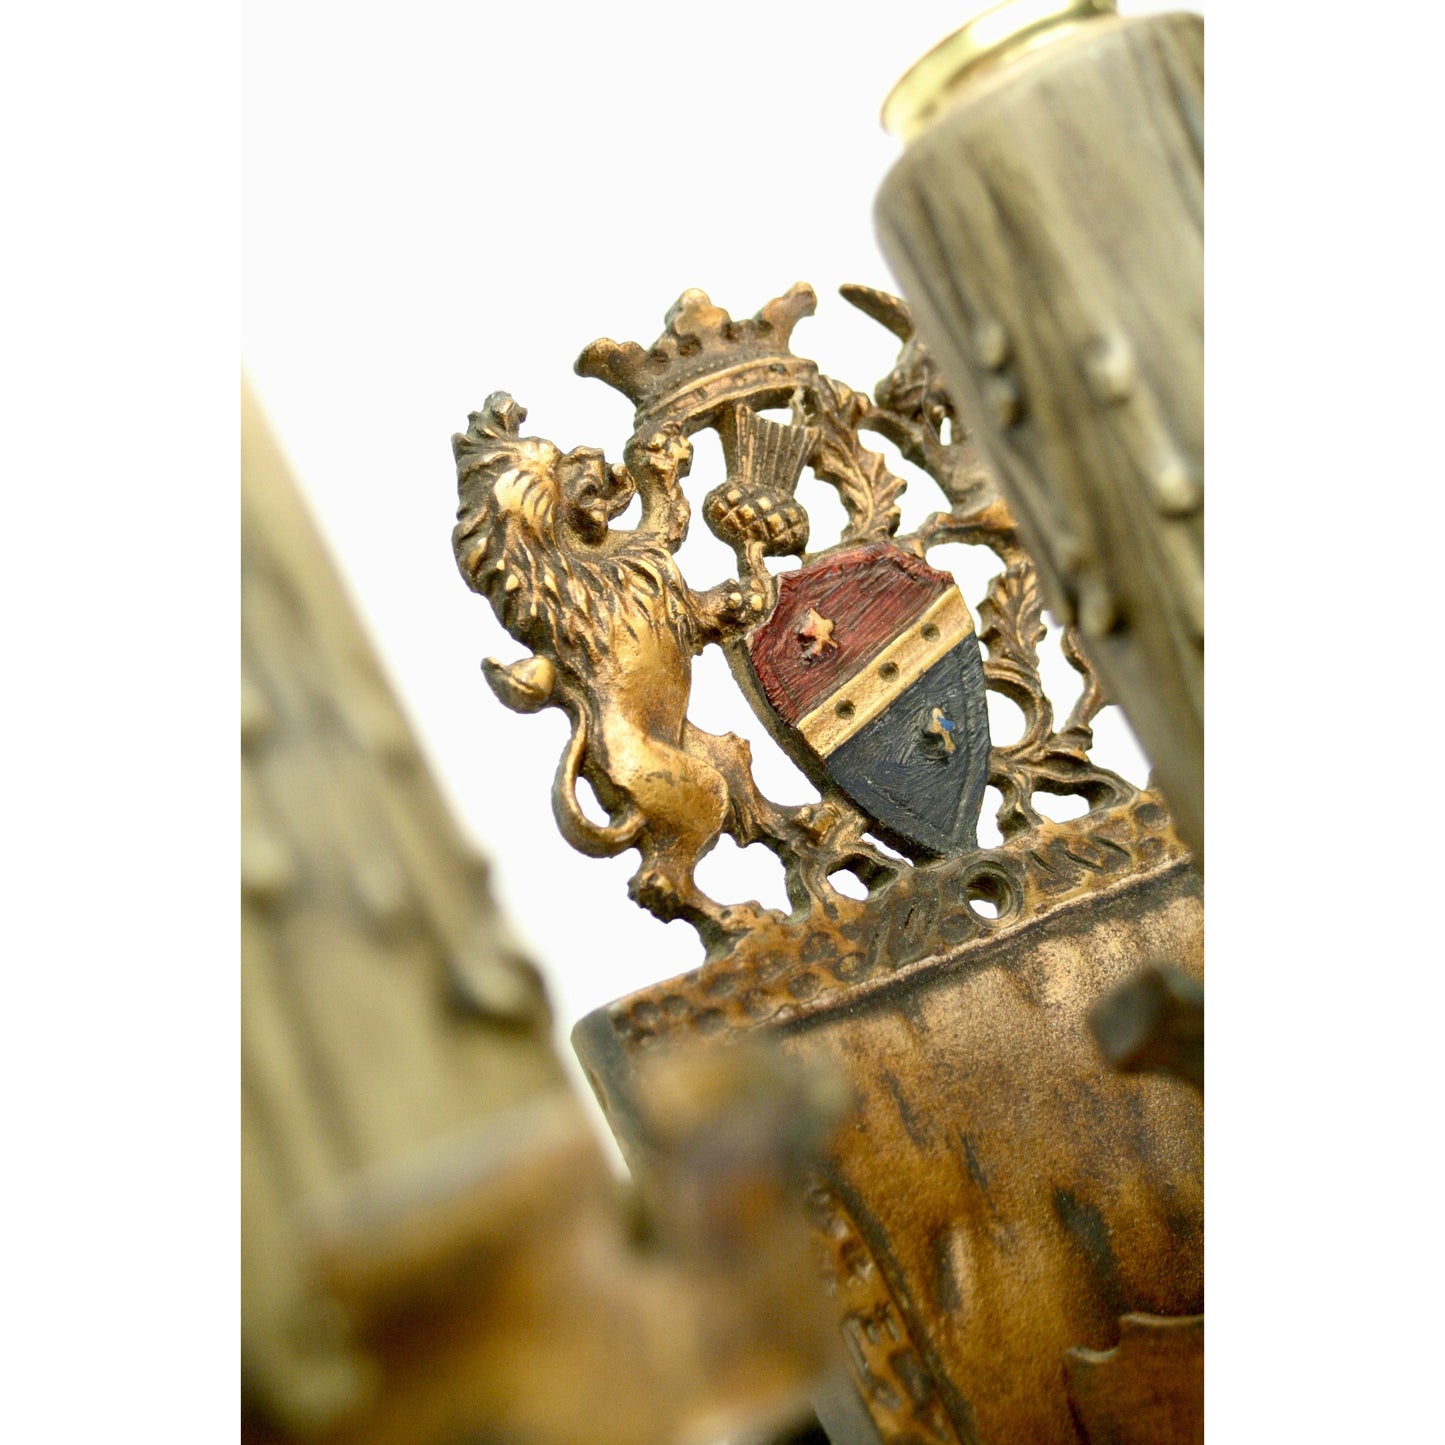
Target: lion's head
[(507, 481), (532, 533)]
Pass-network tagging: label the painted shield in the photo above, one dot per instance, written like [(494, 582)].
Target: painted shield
[(871, 664)]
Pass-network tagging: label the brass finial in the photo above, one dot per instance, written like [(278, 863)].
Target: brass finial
[(1000, 32)]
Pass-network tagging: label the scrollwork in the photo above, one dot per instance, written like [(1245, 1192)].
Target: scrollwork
[(912, 409), (866, 487)]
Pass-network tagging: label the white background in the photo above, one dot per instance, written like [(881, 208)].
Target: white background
[(457, 184)]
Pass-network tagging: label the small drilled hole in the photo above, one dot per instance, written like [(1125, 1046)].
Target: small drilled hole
[(888, 671), (930, 632), (844, 709), (989, 896)]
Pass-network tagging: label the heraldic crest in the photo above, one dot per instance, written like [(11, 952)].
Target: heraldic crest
[(996, 1197), (863, 662)]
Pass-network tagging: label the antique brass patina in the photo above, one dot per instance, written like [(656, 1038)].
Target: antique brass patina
[(919, 1157), (998, 1197)]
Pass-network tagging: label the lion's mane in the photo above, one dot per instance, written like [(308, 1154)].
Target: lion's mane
[(551, 593)]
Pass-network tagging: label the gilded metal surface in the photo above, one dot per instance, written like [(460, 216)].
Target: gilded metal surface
[(790, 969), (997, 1195), (612, 625), (613, 628), (1148, 1388)]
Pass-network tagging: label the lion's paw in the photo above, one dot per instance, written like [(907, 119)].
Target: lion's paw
[(657, 892), (742, 603)]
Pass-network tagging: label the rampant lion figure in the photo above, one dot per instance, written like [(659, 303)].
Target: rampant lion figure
[(613, 628)]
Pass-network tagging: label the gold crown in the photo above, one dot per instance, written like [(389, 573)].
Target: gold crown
[(704, 362)]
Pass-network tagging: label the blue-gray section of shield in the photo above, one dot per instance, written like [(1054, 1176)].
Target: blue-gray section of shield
[(904, 777)]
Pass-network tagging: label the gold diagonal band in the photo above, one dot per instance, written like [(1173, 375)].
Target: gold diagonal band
[(885, 677)]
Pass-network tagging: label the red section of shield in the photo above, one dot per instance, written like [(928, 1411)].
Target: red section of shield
[(871, 594)]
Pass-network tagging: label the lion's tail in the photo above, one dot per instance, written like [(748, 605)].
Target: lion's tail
[(593, 839)]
